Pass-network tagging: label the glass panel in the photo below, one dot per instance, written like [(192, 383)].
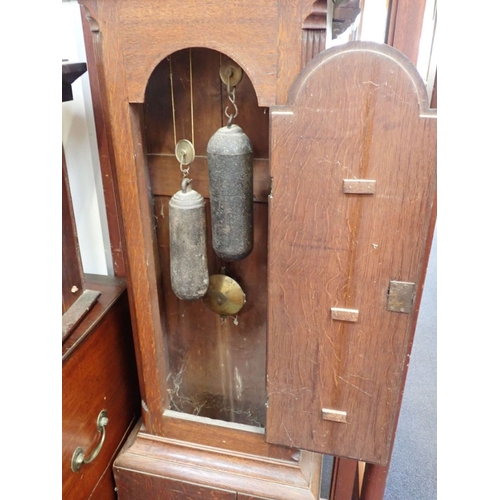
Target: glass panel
[(217, 365)]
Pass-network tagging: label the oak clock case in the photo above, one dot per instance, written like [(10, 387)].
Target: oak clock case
[(343, 174)]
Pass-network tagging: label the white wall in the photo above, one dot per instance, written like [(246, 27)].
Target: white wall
[(80, 147)]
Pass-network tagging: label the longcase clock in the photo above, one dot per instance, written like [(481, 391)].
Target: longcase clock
[(255, 362)]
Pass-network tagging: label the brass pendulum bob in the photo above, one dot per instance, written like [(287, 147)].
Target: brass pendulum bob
[(188, 248), (224, 296)]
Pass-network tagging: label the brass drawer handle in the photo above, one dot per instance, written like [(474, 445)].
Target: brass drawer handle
[(79, 456)]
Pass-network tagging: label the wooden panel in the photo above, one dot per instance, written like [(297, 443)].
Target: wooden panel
[(434, 93), (105, 489), (126, 146), (186, 99), (180, 466), (218, 365), (137, 485), (331, 249), (407, 21), (184, 85), (405, 26), (165, 178), (294, 46), (314, 31), (242, 496), (72, 272), (181, 428), (106, 158), (215, 25), (77, 311), (374, 482), (111, 290), (264, 37), (98, 373), (344, 478)]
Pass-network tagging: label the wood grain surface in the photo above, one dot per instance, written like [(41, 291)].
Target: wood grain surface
[(353, 115), (218, 365), (131, 41), (405, 27), (91, 37), (263, 37), (215, 26), (152, 466), (359, 111), (72, 271), (98, 373), (344, 480)]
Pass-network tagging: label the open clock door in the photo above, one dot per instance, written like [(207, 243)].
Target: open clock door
[(351, 216)]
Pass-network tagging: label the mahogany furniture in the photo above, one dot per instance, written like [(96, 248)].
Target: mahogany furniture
[(98, 373), (98, 365), (344, 208)]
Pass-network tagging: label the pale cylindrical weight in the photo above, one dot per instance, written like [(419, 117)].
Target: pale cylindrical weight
[(230, 170), (188, 247)]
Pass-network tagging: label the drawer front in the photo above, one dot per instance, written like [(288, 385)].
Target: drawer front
[(133, 485), (99, 375)]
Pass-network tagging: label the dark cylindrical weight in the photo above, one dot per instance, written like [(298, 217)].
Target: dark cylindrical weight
[(188, 247), (230, 171)]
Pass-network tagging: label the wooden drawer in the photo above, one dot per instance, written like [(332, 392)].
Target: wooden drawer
[(134, 485), (98, 373), (158, 468)]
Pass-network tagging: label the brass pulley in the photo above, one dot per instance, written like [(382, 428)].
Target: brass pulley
[(224, 295), (184, 152), (230, 73), (187, 231)]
